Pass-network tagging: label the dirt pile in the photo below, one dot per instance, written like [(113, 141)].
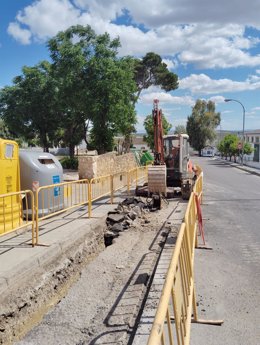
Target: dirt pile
[(131, 212)]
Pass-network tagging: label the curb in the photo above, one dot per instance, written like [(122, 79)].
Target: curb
[(248, 169)]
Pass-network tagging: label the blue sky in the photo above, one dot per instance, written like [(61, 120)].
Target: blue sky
[(214, 48)]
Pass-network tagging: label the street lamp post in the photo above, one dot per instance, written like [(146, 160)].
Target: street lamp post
[(243, 133)]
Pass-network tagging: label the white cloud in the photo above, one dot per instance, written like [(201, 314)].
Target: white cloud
[(44, 18), (164, 97), (203, 84), (217, 99), (170, 63), (22, 35), (155, 13), (215, 40)]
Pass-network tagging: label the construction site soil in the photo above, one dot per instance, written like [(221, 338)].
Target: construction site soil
[(96, 296)]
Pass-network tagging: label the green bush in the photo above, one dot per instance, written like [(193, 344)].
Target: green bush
[(69, 163)]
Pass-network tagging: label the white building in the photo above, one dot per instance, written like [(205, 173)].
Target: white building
[(208, 151), (253, 138)]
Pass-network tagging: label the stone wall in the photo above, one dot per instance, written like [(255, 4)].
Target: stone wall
[(106, 164)]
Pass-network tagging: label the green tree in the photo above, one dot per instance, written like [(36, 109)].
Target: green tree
[(180, 129), (70, 51), (4, 131), (228, 147), (28, 107), (112, 89), (149, 128), (201, 124), (150, 70), (94, 85), (248, 149)]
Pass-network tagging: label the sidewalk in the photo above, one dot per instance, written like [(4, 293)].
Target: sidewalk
[(19, 261), (244, 167), (31, 276)]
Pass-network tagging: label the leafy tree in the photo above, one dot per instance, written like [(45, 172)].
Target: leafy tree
[(94, 85), (201, 124), (28, 107), (180, 129), (149, 128), (4, 131), (150, 70), (70, 51), (248, 149), (228, 147), (111, 88)]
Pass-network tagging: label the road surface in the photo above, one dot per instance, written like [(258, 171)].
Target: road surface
[(228, 277)]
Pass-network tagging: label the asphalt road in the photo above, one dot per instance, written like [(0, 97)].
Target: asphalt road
[(228, 277)]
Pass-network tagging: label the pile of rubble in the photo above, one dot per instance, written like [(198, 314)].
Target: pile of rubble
[(130, 212)]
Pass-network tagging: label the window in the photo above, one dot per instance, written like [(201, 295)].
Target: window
[(257, 139), (9, 151)]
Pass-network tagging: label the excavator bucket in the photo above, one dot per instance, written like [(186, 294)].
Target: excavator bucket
[(157, 179)]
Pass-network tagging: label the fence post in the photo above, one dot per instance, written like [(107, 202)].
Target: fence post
[(89, 198), (111, 189), (36, 216), (128, 182), (33, 217)]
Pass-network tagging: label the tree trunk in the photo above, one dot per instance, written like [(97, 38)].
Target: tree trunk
[(44, 141), (72, 149)]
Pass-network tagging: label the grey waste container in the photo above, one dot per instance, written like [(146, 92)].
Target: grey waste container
[(42, 169)]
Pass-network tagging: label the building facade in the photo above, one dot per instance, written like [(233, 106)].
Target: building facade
[(253, 138)]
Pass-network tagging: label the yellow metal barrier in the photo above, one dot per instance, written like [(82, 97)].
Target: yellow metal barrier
[(54, 199), (119, 180), (198, 187), (132, 178), (60, 197), (136, 175), (178, 299), (142, 173), (98, 188), (15, 213)]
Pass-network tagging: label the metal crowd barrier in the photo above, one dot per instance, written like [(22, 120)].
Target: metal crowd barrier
[(15, 212), (173, 318), (136, 175), (18, 210), (56, 198), (132, 178), (119, 180), (98, 188)]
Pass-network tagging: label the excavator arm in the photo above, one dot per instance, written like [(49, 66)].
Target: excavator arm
[(158, 134)]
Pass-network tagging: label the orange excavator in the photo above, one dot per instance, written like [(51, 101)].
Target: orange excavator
[(172, 167)]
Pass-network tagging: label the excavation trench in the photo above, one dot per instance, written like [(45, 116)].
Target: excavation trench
[(85, 299)]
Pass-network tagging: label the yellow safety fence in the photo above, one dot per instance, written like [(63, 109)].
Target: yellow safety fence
[(57, 198), (136, 175), (25, 208), (15, 212), (173, 318)]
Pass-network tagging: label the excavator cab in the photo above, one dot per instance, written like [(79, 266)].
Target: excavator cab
[(176, 155)]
